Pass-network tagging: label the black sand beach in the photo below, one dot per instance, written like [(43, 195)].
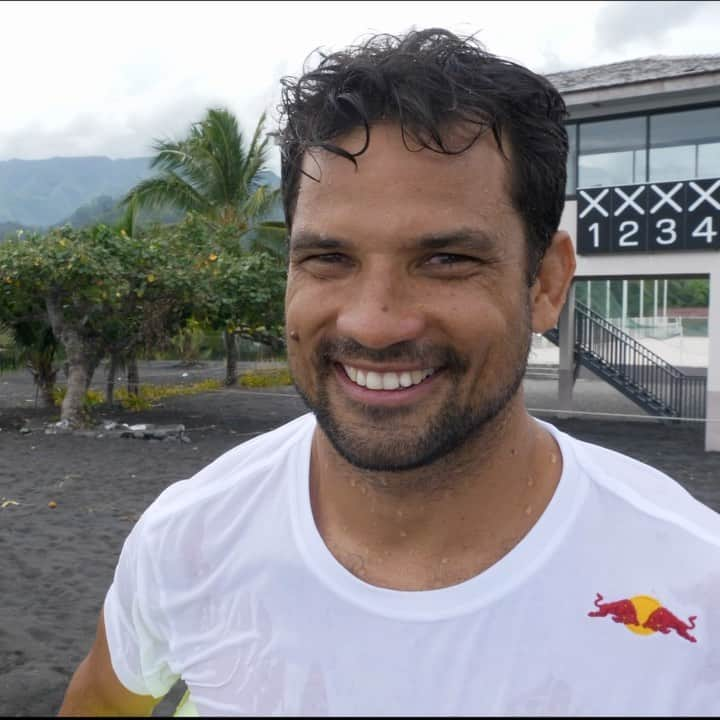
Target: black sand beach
[(56, 563)]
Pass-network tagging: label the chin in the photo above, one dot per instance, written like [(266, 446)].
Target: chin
[(386, 448)]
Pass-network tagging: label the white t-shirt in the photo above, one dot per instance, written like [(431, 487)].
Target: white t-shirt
[(226, 582)]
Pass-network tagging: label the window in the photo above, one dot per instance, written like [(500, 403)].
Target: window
[(572, 159), (708, 160), (685, 145), (612, 152)]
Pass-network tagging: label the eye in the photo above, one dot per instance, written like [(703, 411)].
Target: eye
[(325, 265), (449, 259), (329, 258)]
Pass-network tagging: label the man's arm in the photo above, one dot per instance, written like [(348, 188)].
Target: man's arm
[(95, 690)]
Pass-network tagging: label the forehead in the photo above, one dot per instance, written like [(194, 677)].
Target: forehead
[(399, 192)]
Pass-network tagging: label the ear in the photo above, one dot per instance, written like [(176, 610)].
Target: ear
[(549, 291)]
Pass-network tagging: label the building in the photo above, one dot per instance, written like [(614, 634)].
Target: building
[(643, 202)]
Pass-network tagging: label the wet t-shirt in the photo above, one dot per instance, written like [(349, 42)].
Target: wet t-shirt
[(607, 606)]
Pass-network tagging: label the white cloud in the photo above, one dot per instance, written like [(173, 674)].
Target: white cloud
[(108, 77), (628, 25)]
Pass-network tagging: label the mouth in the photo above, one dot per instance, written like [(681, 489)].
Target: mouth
[(389, 388), (393, 380)]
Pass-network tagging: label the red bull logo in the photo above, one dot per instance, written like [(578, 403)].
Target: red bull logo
[(643, 615)]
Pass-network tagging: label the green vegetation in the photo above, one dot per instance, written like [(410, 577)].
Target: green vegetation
[(125, 291), (147, 396), (266, 378), (214, 176)]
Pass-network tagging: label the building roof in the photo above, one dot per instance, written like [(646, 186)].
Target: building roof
[(656, 67)]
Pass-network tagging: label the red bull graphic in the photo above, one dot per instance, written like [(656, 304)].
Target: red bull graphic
[(643, 615)]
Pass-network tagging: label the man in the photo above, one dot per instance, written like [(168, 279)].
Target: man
[(418, 544)]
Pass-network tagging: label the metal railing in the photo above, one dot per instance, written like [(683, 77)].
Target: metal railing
[(640, 374)]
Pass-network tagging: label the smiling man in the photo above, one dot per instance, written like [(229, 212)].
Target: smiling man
[(417, 544)]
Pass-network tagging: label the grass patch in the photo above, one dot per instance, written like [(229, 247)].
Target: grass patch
[(148, 396), (265, 378)]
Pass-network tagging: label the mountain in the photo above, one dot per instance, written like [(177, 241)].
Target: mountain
[(45, 192), (11, 228), (79, 191), (105, 209)]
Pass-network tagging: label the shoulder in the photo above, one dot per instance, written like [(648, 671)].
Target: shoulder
[(237, 477), (641, 488)]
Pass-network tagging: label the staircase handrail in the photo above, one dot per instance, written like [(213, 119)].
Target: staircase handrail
[(636, 346)]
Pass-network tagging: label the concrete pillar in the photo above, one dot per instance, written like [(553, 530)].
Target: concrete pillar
[(607, 299), (566, 327), (712, 408), (655, 293)]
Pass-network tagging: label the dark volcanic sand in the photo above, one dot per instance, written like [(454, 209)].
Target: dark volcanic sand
[(56, 564)]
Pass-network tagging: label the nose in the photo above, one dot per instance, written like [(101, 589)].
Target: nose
[(381, 308)]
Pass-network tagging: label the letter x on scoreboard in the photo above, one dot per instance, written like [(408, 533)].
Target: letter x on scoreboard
[(656, 217)]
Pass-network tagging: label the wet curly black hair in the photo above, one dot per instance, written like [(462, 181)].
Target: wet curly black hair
[(427, 80)]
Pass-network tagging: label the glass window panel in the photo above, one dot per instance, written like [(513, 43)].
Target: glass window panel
[(607, 169), (709, 160), (672, 163), (572, 159), (640, 166), (609, 135), (685, 128)]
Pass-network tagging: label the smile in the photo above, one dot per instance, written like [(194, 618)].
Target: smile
[(386, 380)]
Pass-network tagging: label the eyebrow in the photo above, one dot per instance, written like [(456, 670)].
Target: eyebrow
[(307, 240), (477, 240)]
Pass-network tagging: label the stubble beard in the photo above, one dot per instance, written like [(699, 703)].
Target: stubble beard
[(384, 440)]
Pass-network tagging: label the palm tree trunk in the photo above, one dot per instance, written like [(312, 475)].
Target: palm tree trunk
[(231, 357)]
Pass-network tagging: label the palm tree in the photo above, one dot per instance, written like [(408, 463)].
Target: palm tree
[(214, 174)]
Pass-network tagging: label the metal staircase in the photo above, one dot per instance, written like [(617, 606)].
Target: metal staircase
[(638, 373)]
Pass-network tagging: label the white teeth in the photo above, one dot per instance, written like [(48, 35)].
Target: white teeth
[(406, 379), (390, 381), (386, 381)]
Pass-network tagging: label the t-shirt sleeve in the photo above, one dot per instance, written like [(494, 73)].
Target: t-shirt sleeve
[(137, 641)]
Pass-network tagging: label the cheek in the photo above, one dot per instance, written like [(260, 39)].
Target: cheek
[(309, 317), (305, 305)]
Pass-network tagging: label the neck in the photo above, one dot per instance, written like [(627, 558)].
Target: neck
[(441, 524)]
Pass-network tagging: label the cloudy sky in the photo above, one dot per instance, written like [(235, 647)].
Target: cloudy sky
[(105, 78)]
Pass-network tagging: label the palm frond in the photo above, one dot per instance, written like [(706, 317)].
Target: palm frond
[(211, 171), (259, 203), (167, 189), (128, 222)]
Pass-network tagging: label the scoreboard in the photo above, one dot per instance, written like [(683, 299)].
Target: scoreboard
[(653, 217)]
